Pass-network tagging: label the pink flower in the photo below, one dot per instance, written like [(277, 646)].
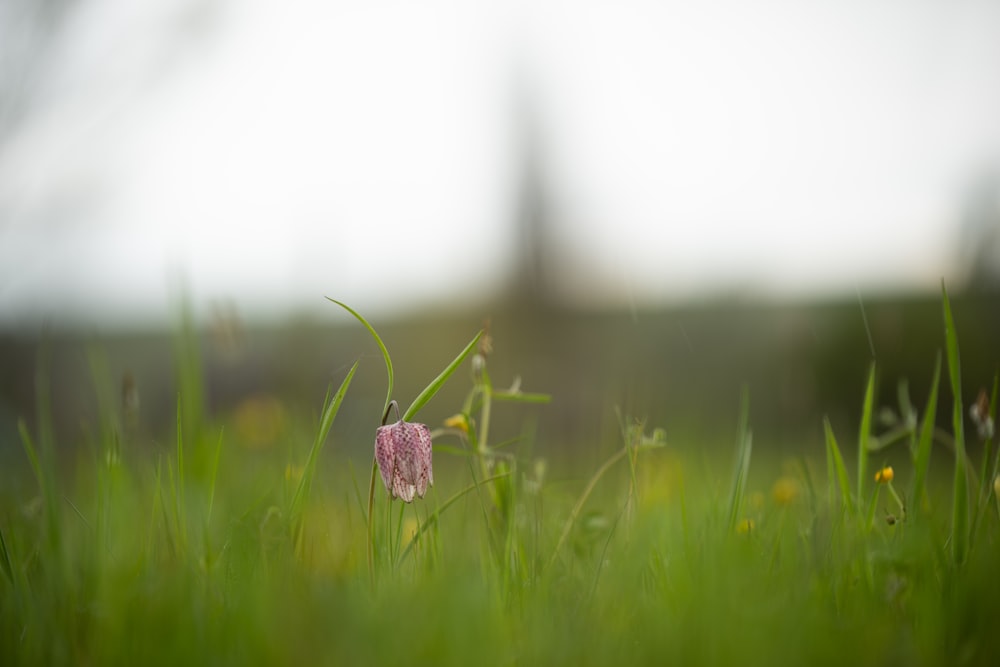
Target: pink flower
[(403, 453)]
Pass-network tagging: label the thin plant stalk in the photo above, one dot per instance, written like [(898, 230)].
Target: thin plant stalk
[(864, 433), (744, 446), (960, 503)]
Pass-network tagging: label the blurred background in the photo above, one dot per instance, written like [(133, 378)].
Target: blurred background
[(651, 202)]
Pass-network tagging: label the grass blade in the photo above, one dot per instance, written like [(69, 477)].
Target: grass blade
[(428, 393), (330, 409), (922, 459), (864, 434), (381, 346), (45, 485), (836, 469), (521, 397), (181, 506), (618, 456), (5, 560), (743, 447), (214, 476), (960, 506)]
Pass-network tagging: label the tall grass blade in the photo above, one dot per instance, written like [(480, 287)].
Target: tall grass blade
[(187, 364), (5, 559), (836, 470), (214, 476), (330, 409), (381, 346), (864, 434), (45, 485), (960, 506), (922, 459), (181, 503), (743, 447), (428, 393), (385, 408)]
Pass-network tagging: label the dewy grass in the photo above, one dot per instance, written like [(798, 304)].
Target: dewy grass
[(506, 560)]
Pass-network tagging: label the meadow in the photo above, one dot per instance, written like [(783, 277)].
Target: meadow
[(884, 550)]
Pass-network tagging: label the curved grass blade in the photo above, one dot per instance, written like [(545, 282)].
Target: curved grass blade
[(428, 393), (381, 346), (864, 433), (432, 519), (615, 458), (960, 506), (922, 459), (835, 468), (385, 408)]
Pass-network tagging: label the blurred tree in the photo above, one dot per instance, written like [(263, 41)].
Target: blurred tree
[(531, 283), (980, 250)]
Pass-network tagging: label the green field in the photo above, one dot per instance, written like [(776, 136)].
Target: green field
[(226, 548)]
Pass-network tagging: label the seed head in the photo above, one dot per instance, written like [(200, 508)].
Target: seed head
[(884, 476), (980, 414), (403, 454)]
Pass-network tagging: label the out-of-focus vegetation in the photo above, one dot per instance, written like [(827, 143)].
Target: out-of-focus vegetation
[(179, 500)]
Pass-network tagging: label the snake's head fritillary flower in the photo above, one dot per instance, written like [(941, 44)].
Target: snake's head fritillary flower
[(403, 454)]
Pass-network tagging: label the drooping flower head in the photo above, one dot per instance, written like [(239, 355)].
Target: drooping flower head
[(403, 454)]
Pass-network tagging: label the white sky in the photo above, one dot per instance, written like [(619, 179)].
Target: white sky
[(276, 151)]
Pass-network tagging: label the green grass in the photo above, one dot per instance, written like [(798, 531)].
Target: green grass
[(658, 555)]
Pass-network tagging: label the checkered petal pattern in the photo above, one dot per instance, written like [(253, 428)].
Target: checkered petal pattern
[(403, 454)]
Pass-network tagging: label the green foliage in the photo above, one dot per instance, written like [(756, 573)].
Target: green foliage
[(430, 390), (330, 409), (654, 562)]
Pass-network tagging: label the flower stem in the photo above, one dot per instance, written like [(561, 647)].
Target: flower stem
[(371, 524)]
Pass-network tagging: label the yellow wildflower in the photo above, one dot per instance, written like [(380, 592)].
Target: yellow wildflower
[(410, 528), (884, 476), (260, 421), (745, 526), (457, 421), (785, 490)]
